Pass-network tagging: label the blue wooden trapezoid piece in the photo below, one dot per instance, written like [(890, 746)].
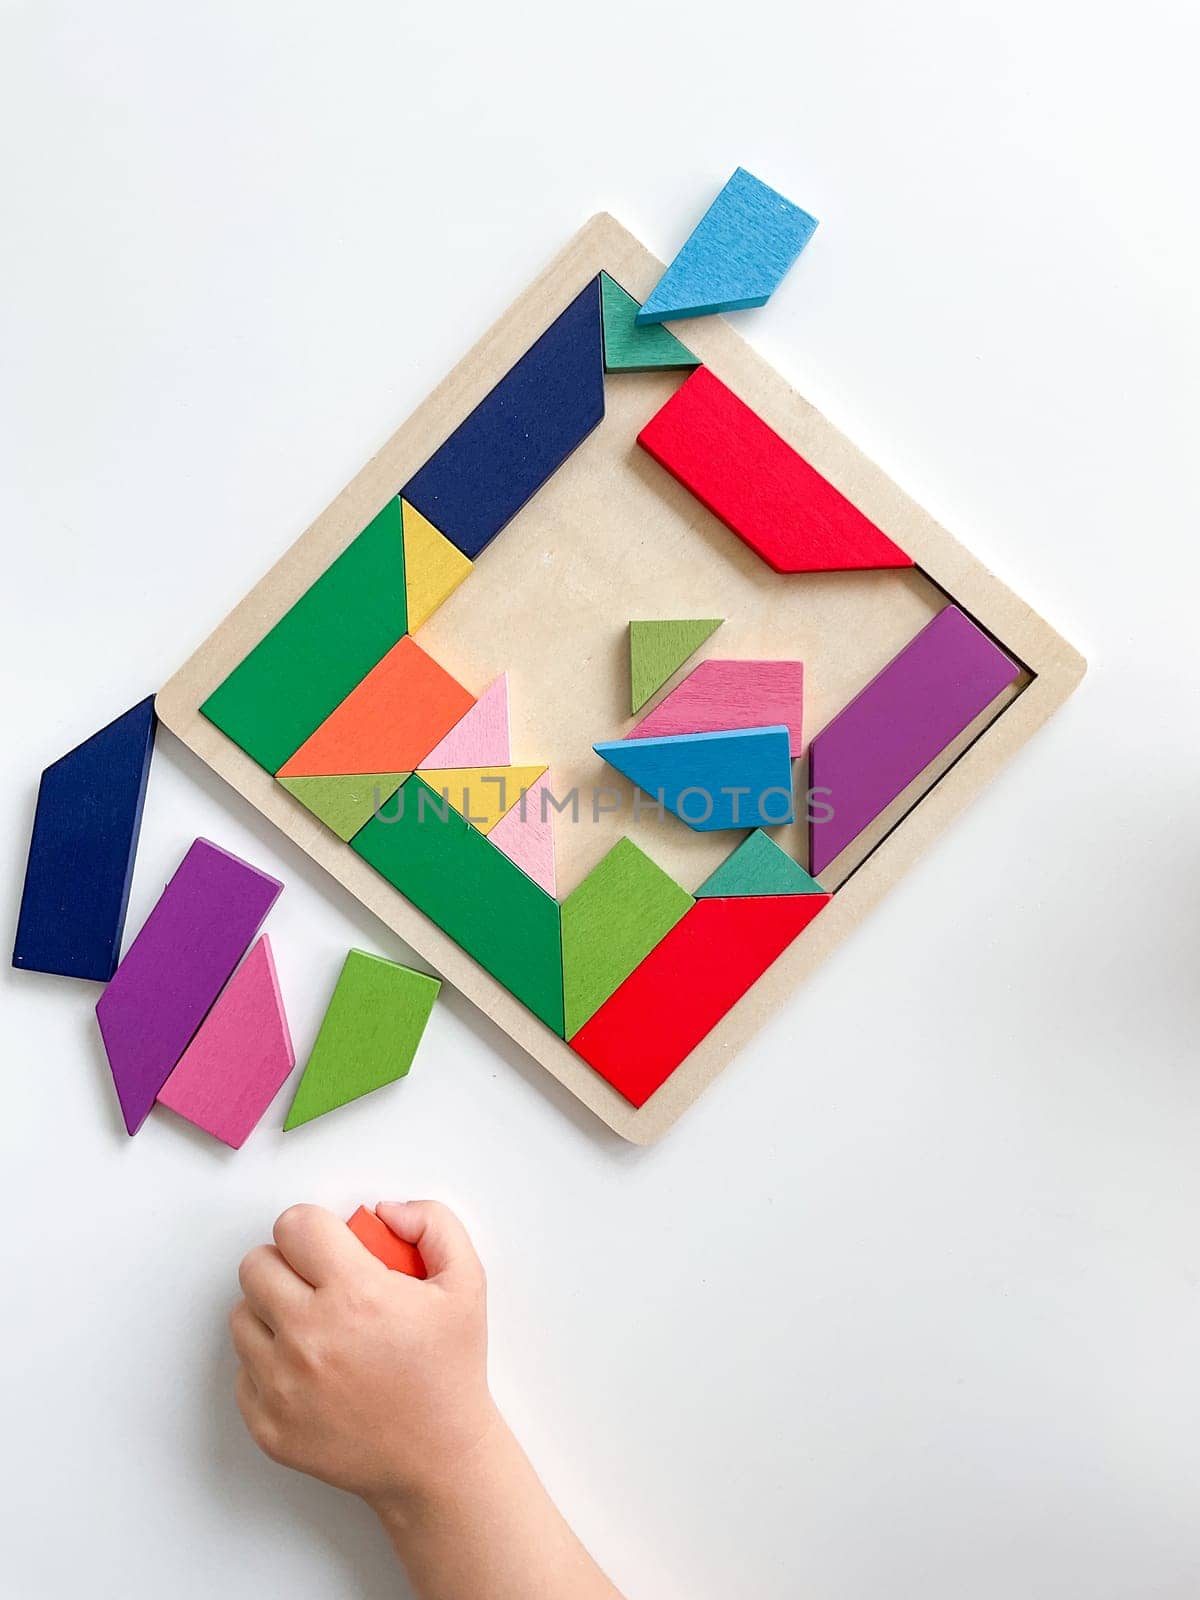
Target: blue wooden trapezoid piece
[(741, 779)]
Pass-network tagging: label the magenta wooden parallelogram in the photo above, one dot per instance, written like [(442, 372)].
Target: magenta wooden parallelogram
[(902, 720), (176, 967)]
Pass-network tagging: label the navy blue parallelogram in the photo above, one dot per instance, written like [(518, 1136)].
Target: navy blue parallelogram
[(85, 833), (520, 433)]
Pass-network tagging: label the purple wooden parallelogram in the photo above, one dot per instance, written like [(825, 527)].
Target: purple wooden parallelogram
[(190, 943), (894, 728)]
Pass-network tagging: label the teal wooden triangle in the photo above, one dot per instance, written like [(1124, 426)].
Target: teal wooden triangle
[(758, 866), (628, 348)]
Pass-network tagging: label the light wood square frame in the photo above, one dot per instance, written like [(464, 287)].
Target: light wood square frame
[(1053, 668)]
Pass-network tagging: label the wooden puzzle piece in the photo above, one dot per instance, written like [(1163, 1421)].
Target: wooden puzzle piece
[(894, 728), (610, 923), (526, 836), (475, 894), (628, 348), (81, 852), (657, 649), (520, 433), (482, 794), (736, 256), (739, 779), (759, 487), (236, 1064), (368, 1037), (758, 867), (318, 650), (481, 738), (685, 986), (174, 970), (433, 567), (718, 695), (388, 723), (346, 802), (396, 1254)]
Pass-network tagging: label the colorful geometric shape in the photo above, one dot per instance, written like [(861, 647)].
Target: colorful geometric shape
[(758, 486), (81, 852), (520, 433), (481, 738), (610, 923), (388, 723), (758, 867), (396, 1254), (318, 650), (657, 649), (482, 794), (368, 1037), (433, 568), (526, 836), (174, 970), (687, 983), (739, 779), (236, 1064), (731, 694), (895, 727), (628, 348), (475, 894), (344, 803), (736, 256)]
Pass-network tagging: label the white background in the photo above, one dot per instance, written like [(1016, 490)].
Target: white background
[(907, 1305)]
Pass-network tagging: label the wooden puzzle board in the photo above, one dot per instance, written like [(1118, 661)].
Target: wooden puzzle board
[(611, 536)]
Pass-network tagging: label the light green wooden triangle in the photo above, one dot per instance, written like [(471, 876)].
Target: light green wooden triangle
[(758, 866), (657, 649), (345, 804), (628, 348)]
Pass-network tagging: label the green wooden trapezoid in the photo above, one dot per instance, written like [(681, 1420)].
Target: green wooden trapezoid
[(345, 804)]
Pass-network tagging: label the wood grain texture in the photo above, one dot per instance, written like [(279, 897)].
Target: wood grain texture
[(610, 923), (238, 1061), (396, 1254), (82, 850), (760, 488), (482, 795), (433, 567), (481, 738), (526, 835), (758, 866), (718, 695), (735, 257), (174, 970), (658, 649), (369, 1035), (705, 964), (740, 779), (628, 348), (345, 803)]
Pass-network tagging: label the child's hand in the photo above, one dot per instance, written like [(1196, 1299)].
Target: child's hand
[(371, 1380)]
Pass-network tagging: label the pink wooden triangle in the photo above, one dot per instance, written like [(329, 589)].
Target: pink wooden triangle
[(526, 836), (480, 739), (236, 1064)]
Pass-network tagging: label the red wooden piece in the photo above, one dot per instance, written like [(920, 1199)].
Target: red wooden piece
[(759, 486), (396, 1254), (686, 985)]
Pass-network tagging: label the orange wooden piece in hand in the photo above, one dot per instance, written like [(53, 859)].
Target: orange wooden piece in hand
[(396, 1254)]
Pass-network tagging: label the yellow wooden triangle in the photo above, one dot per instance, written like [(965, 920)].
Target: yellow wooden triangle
[(433, 567), (481, 794)]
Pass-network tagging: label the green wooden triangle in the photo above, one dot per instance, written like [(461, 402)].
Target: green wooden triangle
[(657, 649), (345, 804), (628, 348), (758, 866)]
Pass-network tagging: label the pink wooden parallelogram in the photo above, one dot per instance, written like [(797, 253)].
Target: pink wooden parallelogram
[(731, 694)]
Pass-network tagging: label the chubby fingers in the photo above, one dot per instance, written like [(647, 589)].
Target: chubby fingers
[(270, 1285), (320, 1247), (253, 1341), (444, 1244)]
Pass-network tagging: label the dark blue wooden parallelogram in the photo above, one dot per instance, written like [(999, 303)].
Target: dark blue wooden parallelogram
[(520, 433), (85, 833)]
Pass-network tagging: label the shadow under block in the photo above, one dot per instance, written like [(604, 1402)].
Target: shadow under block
[(896, 726), (198, 931), (237, 1062), (482, 794), (318, 650), (520, 433), (610, 923), (658, 649), (345, 803), (758, 866), (475, 894), (735, 257), (628, 348), (396, 1254), (758, 486), (82, 850), (739, 779), (719, 695), (389, 722), (368, 1037), (687, 983), (433, 567), (526, 836), (481, 738)]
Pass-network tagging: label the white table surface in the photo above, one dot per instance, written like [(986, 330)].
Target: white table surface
[(907, 1305)]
